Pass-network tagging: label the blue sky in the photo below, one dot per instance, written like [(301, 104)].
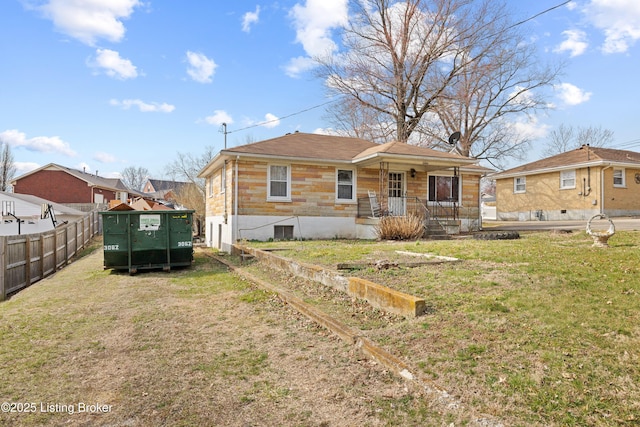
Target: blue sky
[(106, 84)]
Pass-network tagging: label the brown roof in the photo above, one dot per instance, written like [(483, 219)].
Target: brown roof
[(583, 156), (307, 145), (331, 147), (400, 148)]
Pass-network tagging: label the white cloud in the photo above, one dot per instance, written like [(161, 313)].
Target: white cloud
[(201, 68), (250, 18), (313, 22), (575, 43), (571, 94), (103, 157), (44, 144), (24, 167), (527, 127), (144, 107), (299, 65), (618, 19), (88, 21), (270, 121), (219, 117), (113, 65)]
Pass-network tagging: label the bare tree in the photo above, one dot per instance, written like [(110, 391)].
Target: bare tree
[(186, 167), (432, 67), (7, 166), (134, 177), (565, 138)]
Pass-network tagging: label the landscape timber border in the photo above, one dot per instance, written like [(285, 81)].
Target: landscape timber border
[(376, 295), (367, 347)]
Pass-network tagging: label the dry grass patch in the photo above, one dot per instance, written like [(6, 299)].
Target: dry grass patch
[(196, 346)]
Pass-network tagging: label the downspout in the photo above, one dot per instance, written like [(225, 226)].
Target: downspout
[(224, 179), (602, 188), (235, 204), (480, 200)]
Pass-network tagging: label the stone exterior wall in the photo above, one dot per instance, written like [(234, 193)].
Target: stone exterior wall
[(543, 196)]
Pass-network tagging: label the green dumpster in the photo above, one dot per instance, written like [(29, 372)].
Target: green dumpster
[(135, 240)]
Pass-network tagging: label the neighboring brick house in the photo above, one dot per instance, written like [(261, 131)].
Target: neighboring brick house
[(319, 186), (65, 185), (573, 185)]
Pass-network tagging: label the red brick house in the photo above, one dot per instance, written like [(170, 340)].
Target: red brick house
[(61, 184)]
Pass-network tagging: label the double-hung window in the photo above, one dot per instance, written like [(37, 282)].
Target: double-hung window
[(279, 183), (444, 188), (520, 184), (345, 185), (567, 179), (618, 178)]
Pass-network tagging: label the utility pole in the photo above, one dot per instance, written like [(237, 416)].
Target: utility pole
[(224, 126)]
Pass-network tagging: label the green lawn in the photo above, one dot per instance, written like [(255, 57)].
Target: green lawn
[(540, 330)]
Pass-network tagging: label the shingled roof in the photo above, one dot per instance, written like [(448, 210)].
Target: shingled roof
[(339, 149), (90, 178), (580, 157)]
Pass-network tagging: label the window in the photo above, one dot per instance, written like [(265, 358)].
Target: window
[(283, 232), (568, 179), (520, 184), (618, 178), (210, 186), (279, 183), (444, 188), (345, 185)]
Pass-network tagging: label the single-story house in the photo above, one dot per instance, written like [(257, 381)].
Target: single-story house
[(61, 184), (27, 214), (576, 184), (314, 186)]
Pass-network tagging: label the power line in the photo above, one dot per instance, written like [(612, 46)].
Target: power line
[(539, 14), (280, 118), (627, 144)]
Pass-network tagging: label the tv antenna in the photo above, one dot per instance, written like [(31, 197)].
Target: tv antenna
[(454, 138)]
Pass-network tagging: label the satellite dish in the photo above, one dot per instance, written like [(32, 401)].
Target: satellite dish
[(454, 138)]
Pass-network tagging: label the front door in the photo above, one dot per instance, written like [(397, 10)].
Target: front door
[(397, 203)]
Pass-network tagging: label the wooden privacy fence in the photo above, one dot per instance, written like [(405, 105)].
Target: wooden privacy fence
[(27, 258)]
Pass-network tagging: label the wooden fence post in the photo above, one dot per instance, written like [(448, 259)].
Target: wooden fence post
[(3, 269)]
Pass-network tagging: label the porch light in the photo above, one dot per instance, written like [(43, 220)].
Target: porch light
[(413, 173)]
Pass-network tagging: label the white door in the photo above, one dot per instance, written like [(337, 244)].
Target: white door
[(397, 201)]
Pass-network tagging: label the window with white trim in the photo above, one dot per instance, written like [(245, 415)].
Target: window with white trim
[(568, 179), (520, 184), (444, 188), (618, 178), (279, 183), (345, 185), (210, 186)]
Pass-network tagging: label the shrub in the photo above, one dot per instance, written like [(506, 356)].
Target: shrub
[(400, 227)]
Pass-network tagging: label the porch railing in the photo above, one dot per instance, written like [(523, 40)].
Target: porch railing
[(410, 205)]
